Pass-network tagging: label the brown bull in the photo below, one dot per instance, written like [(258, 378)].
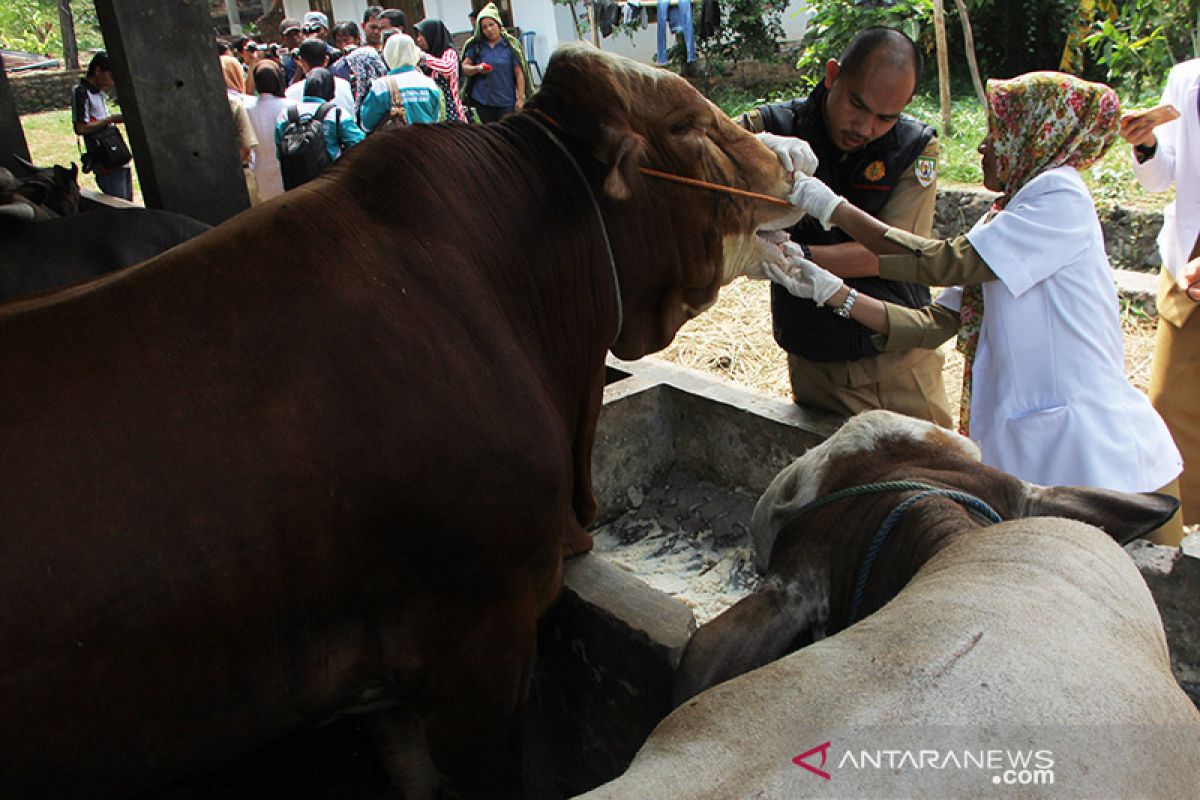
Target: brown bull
[(243, 488)]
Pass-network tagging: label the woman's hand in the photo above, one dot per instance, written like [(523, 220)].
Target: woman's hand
[(816, 199), (803, 278), (1189, 279)]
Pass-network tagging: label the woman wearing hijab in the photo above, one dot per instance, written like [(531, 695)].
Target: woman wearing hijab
[(341, 131), (1044, 388), (441, 62), (413, 96), (496, 77), (264, 111), (235, 89)]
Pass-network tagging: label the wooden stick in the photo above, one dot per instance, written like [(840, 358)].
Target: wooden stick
[(969, 45), (943, 59), (716, 187)]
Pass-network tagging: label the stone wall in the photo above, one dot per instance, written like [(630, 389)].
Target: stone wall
[(1129, 234), (43, 90)]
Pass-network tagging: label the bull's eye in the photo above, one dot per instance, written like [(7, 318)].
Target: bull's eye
[(681, 128)]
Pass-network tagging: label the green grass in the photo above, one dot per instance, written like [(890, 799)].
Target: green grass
[(51, 140), (1111, 181)]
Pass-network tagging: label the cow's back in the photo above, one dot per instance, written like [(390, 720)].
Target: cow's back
[(1032, 635)]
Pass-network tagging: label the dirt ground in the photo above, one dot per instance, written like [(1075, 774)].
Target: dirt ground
[(732, 341)]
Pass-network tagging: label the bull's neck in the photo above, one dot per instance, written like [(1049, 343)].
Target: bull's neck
[(552, 131)]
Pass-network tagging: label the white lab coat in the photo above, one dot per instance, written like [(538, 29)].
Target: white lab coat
[(1050, 401), (264, 112), (1177, 159)]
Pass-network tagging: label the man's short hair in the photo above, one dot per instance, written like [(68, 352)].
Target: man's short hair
[(396, 18), (346, 29), (288, 25), (889, 42), (99, 61), (312, 52), (371, 13)]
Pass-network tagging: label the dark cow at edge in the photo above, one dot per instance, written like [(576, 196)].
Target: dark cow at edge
[(239, 495)]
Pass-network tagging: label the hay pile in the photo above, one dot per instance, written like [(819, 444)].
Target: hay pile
[(732, 341)]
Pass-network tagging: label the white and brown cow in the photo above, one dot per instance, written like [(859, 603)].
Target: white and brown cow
[(332, 452), (1032, 641)]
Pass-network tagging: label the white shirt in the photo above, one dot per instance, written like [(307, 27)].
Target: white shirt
[(343, 95), (264, 111), (1177, 160), (1050, 401)]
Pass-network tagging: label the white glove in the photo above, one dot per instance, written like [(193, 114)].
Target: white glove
[(816, 199), (803, 278), (795, 154)]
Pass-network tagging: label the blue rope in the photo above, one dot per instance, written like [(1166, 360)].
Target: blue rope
[(971, 503)]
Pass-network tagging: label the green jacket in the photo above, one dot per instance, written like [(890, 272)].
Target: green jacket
[(491, 12)]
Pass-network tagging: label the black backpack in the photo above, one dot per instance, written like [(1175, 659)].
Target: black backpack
[(302, 151)]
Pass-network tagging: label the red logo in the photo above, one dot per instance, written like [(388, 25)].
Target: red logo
[(799, 761)]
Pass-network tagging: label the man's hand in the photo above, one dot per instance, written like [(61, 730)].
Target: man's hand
[(816, 199), (802, 277), (794, 154)]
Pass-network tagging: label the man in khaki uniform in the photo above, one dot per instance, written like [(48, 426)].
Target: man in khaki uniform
[(884, 162), (1166, 154)]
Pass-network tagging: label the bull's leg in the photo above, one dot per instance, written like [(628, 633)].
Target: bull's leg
[(400, 741), (476, 692)]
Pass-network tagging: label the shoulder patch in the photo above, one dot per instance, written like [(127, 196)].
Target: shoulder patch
[(926, 169)]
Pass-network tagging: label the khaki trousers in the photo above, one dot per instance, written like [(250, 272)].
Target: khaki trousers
[(907, 382), (1175, 389)]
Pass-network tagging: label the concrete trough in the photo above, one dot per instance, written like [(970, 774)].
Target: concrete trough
[(680, 460)]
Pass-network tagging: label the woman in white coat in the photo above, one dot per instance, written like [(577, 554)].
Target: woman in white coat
[(264, 113), (1045, 393)]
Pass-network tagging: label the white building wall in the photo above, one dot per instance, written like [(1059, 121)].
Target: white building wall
[(551, 22)]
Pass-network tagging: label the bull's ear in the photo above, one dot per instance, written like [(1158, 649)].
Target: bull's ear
[(757, 630), (1122, 515), (623, 152)]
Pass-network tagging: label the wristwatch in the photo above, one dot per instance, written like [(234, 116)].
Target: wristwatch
[(843, 310)]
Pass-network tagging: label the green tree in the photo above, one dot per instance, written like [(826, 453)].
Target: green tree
[(1146, 39), (32, 26)]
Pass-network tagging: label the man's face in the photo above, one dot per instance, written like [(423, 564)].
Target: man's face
[(292, 38), (316, 32), (373, 31), (861, 108), (103, 79)]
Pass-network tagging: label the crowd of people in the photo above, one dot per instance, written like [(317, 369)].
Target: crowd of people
[(374, 74)]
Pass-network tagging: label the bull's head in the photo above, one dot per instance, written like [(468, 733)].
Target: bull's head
[(813, 558), (674, 245)]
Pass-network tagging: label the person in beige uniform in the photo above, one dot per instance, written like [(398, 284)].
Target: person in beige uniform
[(885, 163), (1166, 152)]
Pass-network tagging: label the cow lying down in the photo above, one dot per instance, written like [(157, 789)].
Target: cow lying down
[(990, 659), (329, 455)]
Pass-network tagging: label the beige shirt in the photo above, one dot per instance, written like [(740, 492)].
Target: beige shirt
[(933, 263)]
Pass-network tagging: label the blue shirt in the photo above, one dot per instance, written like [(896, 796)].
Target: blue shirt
[(499, 87)]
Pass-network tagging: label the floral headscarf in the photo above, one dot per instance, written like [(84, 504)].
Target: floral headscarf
[(1042, 120), (1037, 121)]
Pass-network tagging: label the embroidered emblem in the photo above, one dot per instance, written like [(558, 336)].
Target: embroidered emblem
[(875, 171), (926, 170)]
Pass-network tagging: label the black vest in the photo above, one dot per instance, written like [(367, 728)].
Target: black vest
[(866, 178)]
